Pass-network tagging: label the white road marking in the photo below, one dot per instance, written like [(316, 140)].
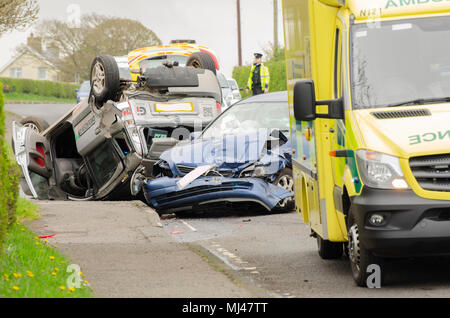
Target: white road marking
[(224, 259), (193, 229)]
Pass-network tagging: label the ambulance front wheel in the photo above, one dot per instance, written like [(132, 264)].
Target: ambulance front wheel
[(363, 263), (329, 250)]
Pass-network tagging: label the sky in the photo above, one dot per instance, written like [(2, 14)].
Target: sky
[(212, 23)]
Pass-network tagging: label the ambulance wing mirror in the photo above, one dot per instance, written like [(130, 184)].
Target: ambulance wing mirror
[(305, 103)]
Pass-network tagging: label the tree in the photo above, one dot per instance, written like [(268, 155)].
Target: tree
[(97, 35), (17, 14)]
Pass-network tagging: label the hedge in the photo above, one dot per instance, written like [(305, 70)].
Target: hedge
[(9, 179), (42, 88), (277, 70)]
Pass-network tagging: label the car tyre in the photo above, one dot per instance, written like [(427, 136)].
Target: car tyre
[(105, 79), (329, 250), (285, 180), (360, 257), (38, 125), (202, 60)]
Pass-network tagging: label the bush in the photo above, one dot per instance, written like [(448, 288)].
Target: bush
[(277, 70), (42, 88), (9, 180)]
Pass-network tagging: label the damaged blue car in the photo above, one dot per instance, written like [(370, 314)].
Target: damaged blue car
[(242, 158)]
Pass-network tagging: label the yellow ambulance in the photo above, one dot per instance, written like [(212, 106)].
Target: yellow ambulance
[(369, 99)]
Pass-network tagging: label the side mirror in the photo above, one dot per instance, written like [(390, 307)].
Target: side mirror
[(194, 135), (305, 103)]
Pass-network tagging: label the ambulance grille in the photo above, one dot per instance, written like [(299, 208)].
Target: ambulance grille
[(432, 172), (401, 113)]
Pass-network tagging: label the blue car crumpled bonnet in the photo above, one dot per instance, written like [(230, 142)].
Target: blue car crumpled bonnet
[(235, 158), (164, 193)]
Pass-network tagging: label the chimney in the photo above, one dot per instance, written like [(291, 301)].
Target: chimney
[(52, 52), (35, 43)]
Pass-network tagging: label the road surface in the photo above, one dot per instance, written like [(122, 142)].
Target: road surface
[(276, 251), (49, 112)]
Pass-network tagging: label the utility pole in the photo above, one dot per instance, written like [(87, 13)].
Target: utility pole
[(275, 23), (238, 4)]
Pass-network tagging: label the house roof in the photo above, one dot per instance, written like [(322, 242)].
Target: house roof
[(22, 52)]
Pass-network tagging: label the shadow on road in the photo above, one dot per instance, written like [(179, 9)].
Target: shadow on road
[(248, 210), (418, 272)]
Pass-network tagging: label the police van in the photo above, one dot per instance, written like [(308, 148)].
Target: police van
[(369, 99)]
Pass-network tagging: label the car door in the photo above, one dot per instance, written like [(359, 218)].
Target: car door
[(97, 135), (32, 152)]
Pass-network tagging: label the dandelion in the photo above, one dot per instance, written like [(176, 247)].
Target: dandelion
[(55, 246), (62, 287), (30, 274), (36, 238), (46, 241), (37, 243), (17, 275), (6, 277), (53, 274), (56, 269), (23, 229), (52, 258), (16, 288), (71, 289)]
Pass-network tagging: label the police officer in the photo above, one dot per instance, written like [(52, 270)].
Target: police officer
[(259, 78)]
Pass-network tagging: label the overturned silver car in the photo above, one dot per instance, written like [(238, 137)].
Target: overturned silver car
[(93, 150)]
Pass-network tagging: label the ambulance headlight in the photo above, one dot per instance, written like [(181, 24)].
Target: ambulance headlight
[(380, 171)]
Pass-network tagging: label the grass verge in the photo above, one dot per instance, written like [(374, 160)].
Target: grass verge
[(27, 210), (31, 267), (25, 98)]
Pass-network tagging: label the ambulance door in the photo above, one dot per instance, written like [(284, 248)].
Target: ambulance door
[(337, 126)]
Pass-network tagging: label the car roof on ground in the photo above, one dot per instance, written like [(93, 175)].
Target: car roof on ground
[(270, 97)]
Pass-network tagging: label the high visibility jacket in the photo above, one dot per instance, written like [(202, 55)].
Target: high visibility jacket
[(265, 77)]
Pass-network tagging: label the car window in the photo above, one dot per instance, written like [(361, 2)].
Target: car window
[(85, 87), (160, 60), (104, 163), (223, 81), (248, 117), (233, 85)]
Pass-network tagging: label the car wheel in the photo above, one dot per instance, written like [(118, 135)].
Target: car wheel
[(285, 180), (329, 250), (202, 60), (137, 181), (105, 79), (36, 124), (360, 257)]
